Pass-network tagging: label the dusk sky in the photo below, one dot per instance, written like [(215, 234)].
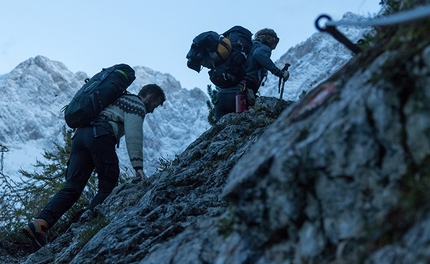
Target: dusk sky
[(89, 35)]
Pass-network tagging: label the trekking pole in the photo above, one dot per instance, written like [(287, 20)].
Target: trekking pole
[(281, 79)]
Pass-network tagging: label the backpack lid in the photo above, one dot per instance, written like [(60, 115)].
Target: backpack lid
[(240, 38), (240, 29)]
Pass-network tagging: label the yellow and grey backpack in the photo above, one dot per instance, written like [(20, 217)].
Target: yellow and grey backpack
[(224, 54)]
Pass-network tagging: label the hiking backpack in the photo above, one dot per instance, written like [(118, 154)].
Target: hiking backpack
[(225, 71), (230, 72), (208, 49), (97, 93)]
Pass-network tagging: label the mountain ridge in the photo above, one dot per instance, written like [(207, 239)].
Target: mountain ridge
[(38, 88), (339, 176), (219, 200)]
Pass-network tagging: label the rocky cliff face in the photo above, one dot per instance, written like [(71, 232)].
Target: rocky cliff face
[(340, 176), (140, 217)]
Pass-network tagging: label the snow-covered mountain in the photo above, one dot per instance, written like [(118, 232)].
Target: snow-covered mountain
[(314, 59), (36, 90)]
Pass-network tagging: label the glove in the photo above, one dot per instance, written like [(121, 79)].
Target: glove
[(285, 75), (141, 175)]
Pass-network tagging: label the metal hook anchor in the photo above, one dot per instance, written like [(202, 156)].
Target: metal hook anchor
[(336, 34)]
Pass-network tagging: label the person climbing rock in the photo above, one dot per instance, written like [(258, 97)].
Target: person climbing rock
[(89, 151), (256, 66)]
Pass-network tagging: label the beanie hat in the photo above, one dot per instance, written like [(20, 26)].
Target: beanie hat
[(267, 36)]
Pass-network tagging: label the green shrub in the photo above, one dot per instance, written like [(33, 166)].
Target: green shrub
[(91, 229)]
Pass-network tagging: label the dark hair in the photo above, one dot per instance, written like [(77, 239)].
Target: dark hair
[(152, 89), (267, 36)]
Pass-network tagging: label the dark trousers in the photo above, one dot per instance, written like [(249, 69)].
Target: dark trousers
[(225, 102), (87, 152)]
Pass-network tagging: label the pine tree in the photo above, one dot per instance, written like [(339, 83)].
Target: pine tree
[(211, 104), (24, 200)]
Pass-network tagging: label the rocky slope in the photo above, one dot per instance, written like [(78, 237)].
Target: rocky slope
[(140, 217), (340, 176)]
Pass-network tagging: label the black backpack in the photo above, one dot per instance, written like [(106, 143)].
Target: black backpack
[(97, 93), (224, 71), (230, 72)]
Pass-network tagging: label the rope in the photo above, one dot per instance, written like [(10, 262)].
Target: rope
[(405, 16)]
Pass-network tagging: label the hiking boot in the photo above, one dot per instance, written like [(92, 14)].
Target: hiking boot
[(36, 230)]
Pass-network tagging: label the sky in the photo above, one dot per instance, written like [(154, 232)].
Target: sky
[(88, 35)]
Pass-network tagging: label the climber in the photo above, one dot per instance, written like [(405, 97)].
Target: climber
[(89, 150), (256, 66)]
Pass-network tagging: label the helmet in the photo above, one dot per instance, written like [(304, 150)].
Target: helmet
[(268, 37)]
